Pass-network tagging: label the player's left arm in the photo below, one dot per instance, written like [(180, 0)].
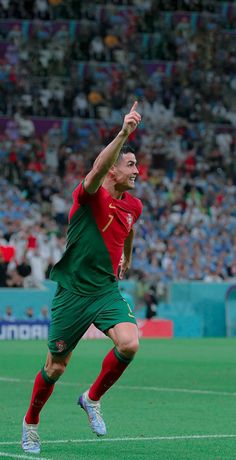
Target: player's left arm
[(127, 254)]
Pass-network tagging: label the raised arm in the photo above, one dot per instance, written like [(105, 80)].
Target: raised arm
[(109, 154)]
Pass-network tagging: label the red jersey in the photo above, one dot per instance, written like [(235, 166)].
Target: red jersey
[(98, 227)]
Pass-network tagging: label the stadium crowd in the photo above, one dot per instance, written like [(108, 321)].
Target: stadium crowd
[(81, 64)]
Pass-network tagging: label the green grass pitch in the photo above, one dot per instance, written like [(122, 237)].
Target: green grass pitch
[(177, 401)]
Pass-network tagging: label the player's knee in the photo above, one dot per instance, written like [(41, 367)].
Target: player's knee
[(129, 348)]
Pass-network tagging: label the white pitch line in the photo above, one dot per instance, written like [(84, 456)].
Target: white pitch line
[(4, 454), (131, 439), (135, 387), (178, 390), (152, 438)]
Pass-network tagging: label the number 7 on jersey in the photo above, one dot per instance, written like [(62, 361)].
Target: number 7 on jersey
[(108, 223)]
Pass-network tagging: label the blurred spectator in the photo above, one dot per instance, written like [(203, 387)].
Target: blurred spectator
[(24, 270), (26, 126), (3, 271), (8, 315), (37, 267), (41, 9), (44, 315), (14, 280), (29, 314), (151, 302), (59, 208)]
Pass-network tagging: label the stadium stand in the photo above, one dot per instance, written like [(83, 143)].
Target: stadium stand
[(68, 72)]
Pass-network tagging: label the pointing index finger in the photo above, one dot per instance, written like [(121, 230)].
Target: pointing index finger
[(134, 106)]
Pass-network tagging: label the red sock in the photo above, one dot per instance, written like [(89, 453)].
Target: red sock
[(40, 394), (112, 368)]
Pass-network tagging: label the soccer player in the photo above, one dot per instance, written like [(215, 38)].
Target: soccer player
[(98, 251)]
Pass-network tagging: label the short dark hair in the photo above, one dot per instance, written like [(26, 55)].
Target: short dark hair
[(125, 149)]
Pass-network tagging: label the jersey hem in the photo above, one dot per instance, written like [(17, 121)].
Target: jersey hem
[(96, 292)]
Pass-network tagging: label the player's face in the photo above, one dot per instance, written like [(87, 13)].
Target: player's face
[(125, 172)]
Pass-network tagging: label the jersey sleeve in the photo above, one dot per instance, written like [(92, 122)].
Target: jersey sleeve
[(80, 197)]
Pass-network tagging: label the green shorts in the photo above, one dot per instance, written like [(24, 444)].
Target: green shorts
[(71, 316)]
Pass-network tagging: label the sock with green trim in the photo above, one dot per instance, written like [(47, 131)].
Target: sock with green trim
[(113, 367), (42, 390)]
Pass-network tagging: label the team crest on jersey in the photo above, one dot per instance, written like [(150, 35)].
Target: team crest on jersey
[(61, 345), (129, 220)]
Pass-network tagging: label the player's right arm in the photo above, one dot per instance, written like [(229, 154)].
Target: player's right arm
[(110, 153)]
